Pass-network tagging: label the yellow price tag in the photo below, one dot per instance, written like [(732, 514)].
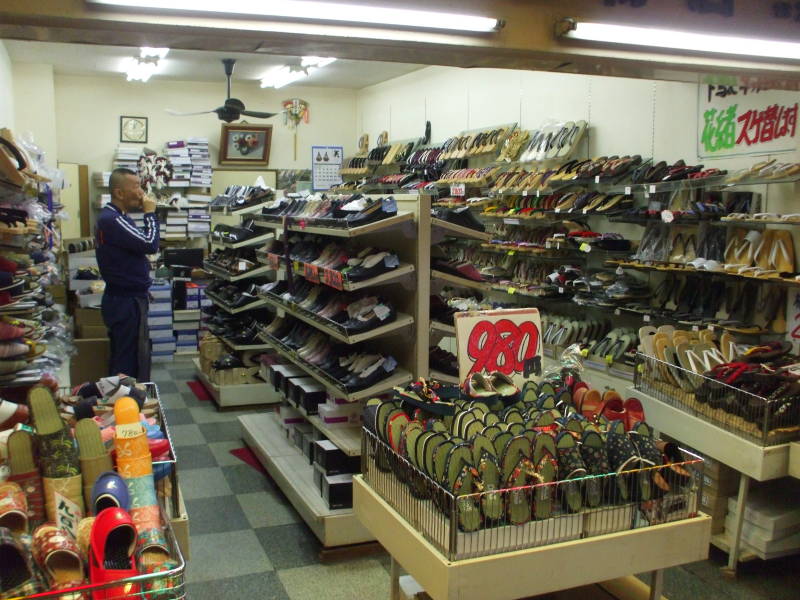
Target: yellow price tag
[(512, 252), (609, 359), (585, 352), (585, 247), (512, 290)]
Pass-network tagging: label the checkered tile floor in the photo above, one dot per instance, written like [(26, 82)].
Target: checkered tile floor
[(246, 539), (248, 542)]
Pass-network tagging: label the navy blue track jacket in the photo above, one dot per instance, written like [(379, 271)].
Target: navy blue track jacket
[(121, 248)]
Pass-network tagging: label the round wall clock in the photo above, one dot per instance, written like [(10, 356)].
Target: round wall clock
[(133, 129)]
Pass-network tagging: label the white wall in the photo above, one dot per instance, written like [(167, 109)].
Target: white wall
[(88, 111), (7, 87), (626, 116), (35, 107)]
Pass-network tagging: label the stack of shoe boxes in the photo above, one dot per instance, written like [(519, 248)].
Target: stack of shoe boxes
[(177, 221), (159, 322), (178, 155), (333, 474), (771, 526), (127, 157), (201, 161), (186, 326), (719, 482)]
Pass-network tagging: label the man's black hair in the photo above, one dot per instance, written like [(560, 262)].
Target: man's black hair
[(117, 177)]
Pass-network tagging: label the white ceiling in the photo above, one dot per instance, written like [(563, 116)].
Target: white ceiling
[(196, 65)]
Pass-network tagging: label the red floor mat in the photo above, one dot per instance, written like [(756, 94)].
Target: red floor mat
[(200, 392), (246, 455)]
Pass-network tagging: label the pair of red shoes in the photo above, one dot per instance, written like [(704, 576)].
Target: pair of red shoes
[(592, 405)]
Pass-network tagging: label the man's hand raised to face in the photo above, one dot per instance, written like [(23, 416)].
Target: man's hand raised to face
[(148, 204)]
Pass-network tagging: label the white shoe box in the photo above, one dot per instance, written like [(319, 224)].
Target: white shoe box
[(773, 507)]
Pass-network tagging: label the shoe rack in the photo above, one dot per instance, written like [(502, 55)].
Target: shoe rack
[(405, 339), (238, 394)]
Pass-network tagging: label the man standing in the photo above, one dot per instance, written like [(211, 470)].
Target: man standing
[(121, 256)]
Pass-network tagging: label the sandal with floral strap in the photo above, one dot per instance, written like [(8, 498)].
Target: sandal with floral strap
[(546, 466)]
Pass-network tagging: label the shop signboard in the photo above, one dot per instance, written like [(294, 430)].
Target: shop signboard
[(505, 340), (735, 118)]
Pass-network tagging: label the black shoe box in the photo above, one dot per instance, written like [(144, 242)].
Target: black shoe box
[(307, 393), (279, 373), (337, 490), (333, 461)]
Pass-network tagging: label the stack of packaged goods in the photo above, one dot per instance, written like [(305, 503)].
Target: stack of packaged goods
[(201, 161)]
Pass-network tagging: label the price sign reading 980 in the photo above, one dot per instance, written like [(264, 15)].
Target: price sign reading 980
[(505, 340)]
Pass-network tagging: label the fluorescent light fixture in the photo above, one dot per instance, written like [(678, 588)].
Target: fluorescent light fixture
[(159, 53), (279, 77), (322, 11), (316, 61), (681, 40)]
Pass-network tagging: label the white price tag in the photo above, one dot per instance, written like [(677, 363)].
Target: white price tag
[(597, 178), (537, 193), (652, 189), (547, 245), (69, 515), (617, 312), (128, 431), (695, 328), (627, 190), (459, 189), (646, 318), (667, 216), (560, 290), (511, 221), (558, 210), (524, 193), (381, 311), (710, 328)]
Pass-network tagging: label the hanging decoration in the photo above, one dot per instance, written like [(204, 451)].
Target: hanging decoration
[(295, 110), (155, 172)]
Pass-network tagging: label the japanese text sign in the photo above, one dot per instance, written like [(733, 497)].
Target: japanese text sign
[(735, 119), (505, 340)]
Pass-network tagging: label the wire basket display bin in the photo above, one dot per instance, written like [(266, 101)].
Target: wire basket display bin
[(495, 521), (766, 421), (167, 582)]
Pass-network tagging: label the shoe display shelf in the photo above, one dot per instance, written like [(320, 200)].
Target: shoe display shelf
[(236, 395), (288, 466), (307, 226), (401, 272), (259, 303), (227, 276), (748, 454), (253, 241)]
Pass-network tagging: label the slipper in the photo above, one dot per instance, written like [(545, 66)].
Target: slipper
[(59, 557), (18, 576), (595, 457), (94, 456), (12, 413), (570, 466), (641, 435), (58, 455), (519, 491), (489, 473), (13, 508), (622, 456), (111, 549), (26, 474)]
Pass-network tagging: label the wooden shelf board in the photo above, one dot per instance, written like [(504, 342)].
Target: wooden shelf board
[(794, 459), (398, 219), (226, 396), (601, 558), (400, 322), (223, 274), (256, 304), (244, 347), (443, 327), (444, 377), (399, 377), (460, 231), (347, 439), (253, 241), (461, 281), (293, 474), (759, 462)]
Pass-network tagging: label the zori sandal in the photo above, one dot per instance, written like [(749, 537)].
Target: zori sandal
[(622, 455), (570, 466), (26, 474), (94, 456), (546, 466), (642, 437), (59, 458), (595, 457)]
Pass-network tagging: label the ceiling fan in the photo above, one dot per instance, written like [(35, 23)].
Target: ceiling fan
[(233, 109)]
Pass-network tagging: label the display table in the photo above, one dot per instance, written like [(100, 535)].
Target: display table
[(534, 571), (751, 460)]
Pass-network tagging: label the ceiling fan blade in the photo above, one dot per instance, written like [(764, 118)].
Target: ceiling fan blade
[(176, 113), (258, 115)]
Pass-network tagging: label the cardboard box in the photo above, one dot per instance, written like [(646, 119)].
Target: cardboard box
[(337, 491), (88, 316), (92, 331), (91, 360), (721, 481), (715, 507)]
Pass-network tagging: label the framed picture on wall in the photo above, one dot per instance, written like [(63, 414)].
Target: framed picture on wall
[(245, 145), (133, 129)]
